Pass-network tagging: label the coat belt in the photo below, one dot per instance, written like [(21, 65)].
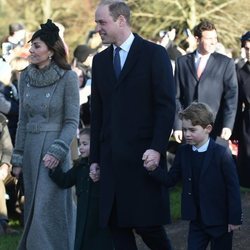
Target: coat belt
[(42, 127)]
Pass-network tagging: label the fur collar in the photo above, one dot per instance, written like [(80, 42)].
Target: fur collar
[(45, 76)]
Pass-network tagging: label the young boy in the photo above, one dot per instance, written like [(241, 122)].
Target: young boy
[(210, 193), (88, 234)]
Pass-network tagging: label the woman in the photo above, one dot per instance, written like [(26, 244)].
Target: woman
[(243, 116), (48, 120)]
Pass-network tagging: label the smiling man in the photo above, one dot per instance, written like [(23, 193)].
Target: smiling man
[(209, 77), (133, 107)]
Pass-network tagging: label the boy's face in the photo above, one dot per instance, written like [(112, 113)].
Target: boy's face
[(195, 135), (84, 145)]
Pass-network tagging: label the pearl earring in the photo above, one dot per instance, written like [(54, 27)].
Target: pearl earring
[(50, 57)]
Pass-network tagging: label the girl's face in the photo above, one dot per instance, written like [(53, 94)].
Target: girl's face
[(84, 145), (39, 53)]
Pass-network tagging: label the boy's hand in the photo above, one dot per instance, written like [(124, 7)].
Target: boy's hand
[(94, 172), (233, 227), (151, 159)]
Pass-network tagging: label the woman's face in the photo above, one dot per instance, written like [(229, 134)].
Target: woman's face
[(39, 53)]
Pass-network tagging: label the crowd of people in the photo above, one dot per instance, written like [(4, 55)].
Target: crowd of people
[(123, 101)]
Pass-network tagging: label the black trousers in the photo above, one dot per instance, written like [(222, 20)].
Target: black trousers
[(155, 237), (200, 236)]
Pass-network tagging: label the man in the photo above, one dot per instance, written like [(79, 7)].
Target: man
[(209, 77), (131, 121)]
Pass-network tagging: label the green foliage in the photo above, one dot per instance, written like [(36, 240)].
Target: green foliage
[(9, 242), (175, 202)]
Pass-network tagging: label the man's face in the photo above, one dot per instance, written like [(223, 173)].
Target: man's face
[(208, 41), (107, 28), (247, 50)]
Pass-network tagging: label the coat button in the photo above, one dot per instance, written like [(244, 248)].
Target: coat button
[(28, 85), (189, 179), (189, 193), (47, 95)]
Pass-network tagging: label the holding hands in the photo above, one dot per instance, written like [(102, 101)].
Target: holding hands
[(94, 172), (50, 161), (151, 159)]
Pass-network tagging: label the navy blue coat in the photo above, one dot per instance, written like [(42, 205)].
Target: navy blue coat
[(88, 233), (128, 116), (220, 202)]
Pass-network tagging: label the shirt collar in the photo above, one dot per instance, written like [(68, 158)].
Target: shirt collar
[(203, 148), (198, 55), (127, 44)]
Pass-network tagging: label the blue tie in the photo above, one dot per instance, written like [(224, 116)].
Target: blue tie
[(117, 62)]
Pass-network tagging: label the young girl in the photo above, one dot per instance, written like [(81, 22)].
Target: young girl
[(88, 234)]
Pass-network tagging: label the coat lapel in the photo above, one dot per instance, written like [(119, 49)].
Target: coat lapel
[(131, 58), (191, 65)]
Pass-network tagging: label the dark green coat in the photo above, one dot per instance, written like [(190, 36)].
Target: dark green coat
[(88, 234)]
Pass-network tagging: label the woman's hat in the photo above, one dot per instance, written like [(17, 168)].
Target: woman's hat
[(49, 33)]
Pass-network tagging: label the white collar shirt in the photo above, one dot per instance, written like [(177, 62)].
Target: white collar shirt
[(125, 47)]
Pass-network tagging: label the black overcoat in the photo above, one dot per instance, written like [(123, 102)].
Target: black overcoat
[(129, 116), (88, 233), (243, 125)]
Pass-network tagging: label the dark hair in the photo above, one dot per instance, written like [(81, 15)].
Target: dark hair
[(199, 114), (15, 27), (245, 38), (118, 8), (84, 131), (49, 34), (203, 26)]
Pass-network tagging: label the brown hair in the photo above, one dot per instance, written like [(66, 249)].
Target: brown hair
[(85, 131), (49, 34), (198, 113), (203, 26), (118, 8)]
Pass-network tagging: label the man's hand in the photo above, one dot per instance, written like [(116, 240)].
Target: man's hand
[(178, 135), (151, 159), (50, 161), (226, 133), (94, 172)]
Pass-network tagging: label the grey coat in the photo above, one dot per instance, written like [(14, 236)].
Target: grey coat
[(48, 119)]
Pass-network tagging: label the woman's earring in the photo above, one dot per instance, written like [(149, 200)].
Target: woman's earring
[(50, 58)]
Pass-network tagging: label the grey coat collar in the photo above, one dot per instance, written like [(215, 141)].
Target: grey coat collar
[(45, 76)]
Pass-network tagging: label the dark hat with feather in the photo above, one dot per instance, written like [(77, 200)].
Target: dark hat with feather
[(49, 33)]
